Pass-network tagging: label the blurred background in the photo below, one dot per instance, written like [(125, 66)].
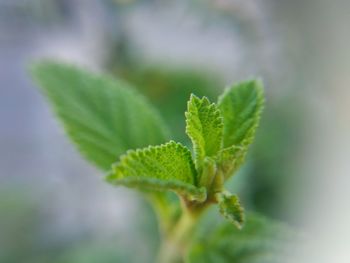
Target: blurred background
[(55, 207)]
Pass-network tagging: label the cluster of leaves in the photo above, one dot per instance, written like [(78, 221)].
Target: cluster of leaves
[(107, 119), (116, 128)]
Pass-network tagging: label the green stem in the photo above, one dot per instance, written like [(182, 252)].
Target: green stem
[(176, 243)]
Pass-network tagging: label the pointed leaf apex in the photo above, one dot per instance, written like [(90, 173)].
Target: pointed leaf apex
[(204, 126)]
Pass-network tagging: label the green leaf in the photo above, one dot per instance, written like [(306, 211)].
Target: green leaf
[(241, 106), (208, 171), (103, 116), (204, 125), (230, 159), (165, 167), (231, 208), (260, 241), (143, 183)]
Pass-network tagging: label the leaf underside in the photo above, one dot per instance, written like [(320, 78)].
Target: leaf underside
[(143, 183), (104, 117)]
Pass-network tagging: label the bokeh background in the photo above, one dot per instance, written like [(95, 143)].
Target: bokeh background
[(55, 207)]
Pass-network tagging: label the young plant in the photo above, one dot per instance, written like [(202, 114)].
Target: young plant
[(118, 130)]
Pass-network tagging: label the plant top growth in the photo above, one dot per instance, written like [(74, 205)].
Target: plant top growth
[(119, 131)]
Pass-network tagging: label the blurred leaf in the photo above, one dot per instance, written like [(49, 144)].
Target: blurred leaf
[(231, 208), (103, 116), (165, 167), (241, 106), (169, 88), (260, 241), (204, 126), (20, 224), (272, 187)]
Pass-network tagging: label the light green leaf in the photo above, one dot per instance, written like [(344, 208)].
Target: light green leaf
[(207, 175), (231, 208), (204, 126), (241, 106), (261, 240), (189, 191), (165, 167), (103, 116), (230, 159)]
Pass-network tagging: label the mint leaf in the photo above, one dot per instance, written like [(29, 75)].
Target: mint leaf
[(165, 167), (241, 106), (260, 241), (230, 159), (231, 208), (208, 171), (103, 116), (204, 126)]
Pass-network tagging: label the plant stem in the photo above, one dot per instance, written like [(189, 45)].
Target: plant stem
[(176, 243)]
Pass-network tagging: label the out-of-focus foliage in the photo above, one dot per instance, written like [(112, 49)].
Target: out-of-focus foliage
[(24, 236), (19, 226), (271, 173), (104, 117), (169, 88), (260, 241)]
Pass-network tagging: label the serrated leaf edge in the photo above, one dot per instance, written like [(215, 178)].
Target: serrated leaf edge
[(188, 114), (226, 196), (155, 148), (191, 192), (261, 102)]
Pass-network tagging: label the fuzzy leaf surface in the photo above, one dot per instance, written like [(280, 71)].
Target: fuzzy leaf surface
[(230, 159), (231, 209), (241, 106), (104, 117), (204, 125), (165, 167)]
